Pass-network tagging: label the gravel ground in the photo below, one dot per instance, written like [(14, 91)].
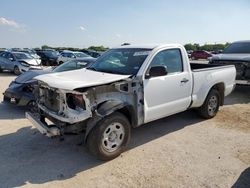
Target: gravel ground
[(179, 151)]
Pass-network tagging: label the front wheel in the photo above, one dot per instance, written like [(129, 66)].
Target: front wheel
[(211, 105), (110, 137)]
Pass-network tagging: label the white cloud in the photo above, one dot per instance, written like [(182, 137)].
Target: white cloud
[(118, 35), (82, 28), (11, 23)]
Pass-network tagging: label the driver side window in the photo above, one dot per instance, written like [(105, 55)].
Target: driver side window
[(171, 58)]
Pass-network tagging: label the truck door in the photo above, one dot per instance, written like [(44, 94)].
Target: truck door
[(169, 94)]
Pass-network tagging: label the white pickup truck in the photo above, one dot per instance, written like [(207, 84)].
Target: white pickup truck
[(127, 87)]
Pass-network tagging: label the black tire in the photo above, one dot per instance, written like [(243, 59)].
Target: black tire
[(96, 142), (1, 70), (17, 70), (206, 111)]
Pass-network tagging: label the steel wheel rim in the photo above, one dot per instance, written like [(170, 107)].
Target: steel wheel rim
[(113, 137), (212, 105)]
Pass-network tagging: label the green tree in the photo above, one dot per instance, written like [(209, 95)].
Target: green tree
[(98, 48)]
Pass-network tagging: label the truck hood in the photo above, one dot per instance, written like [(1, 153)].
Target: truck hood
[(232, 57), (81, 78)]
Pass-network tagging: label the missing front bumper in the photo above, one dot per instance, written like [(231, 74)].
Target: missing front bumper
[(43, 129)]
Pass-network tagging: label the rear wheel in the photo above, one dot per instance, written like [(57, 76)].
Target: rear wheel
[(1, 70), (211, 105), (109, 138), (16, 70)]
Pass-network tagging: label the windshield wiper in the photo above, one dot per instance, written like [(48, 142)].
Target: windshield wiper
[(92, 68), (112, 72)]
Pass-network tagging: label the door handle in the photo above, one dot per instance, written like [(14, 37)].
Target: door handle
[(184, 80)]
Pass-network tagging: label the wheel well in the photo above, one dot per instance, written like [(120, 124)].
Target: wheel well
[(108, 107), (221, 88), (128, 113)]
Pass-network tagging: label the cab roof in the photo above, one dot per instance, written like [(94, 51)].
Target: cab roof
[(147, 46)]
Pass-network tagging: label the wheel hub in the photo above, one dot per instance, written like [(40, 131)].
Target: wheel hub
[(113, 137), (212, 105)]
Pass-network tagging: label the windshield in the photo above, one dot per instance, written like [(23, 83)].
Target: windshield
[(80, 54), (71, 65), (239, 48), (29, 52), (126, 61), (22, 56)]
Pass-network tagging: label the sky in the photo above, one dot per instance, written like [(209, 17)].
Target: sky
[(83, 23)]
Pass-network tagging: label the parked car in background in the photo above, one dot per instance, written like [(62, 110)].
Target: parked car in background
[(237, 54), (189, 52), (48, 57), (125, 88), (18, 62), (20, 91), (217, 51), (200, 54), (2, 50), (69, 55), (31, 53), (92, 53)]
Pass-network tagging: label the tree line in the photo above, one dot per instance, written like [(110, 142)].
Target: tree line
[(189, 46), (94, 48), (207, 47)]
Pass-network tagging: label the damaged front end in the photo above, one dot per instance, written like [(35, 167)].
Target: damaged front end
[(20, 94), (59, 111), (66, 106), (63, 111)]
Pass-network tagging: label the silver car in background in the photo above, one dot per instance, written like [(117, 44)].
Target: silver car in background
[(70, 55), (18, 62), (31, 53)]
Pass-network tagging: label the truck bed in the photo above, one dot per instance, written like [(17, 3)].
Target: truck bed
[(203, 67), (207, 75)]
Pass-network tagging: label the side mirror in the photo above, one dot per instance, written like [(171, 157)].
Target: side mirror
[(156, 71), (11, 59)]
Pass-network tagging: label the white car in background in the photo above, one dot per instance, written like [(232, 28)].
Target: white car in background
[(70, 55)]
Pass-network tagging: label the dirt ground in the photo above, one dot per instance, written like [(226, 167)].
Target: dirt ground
[(179, 151)]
